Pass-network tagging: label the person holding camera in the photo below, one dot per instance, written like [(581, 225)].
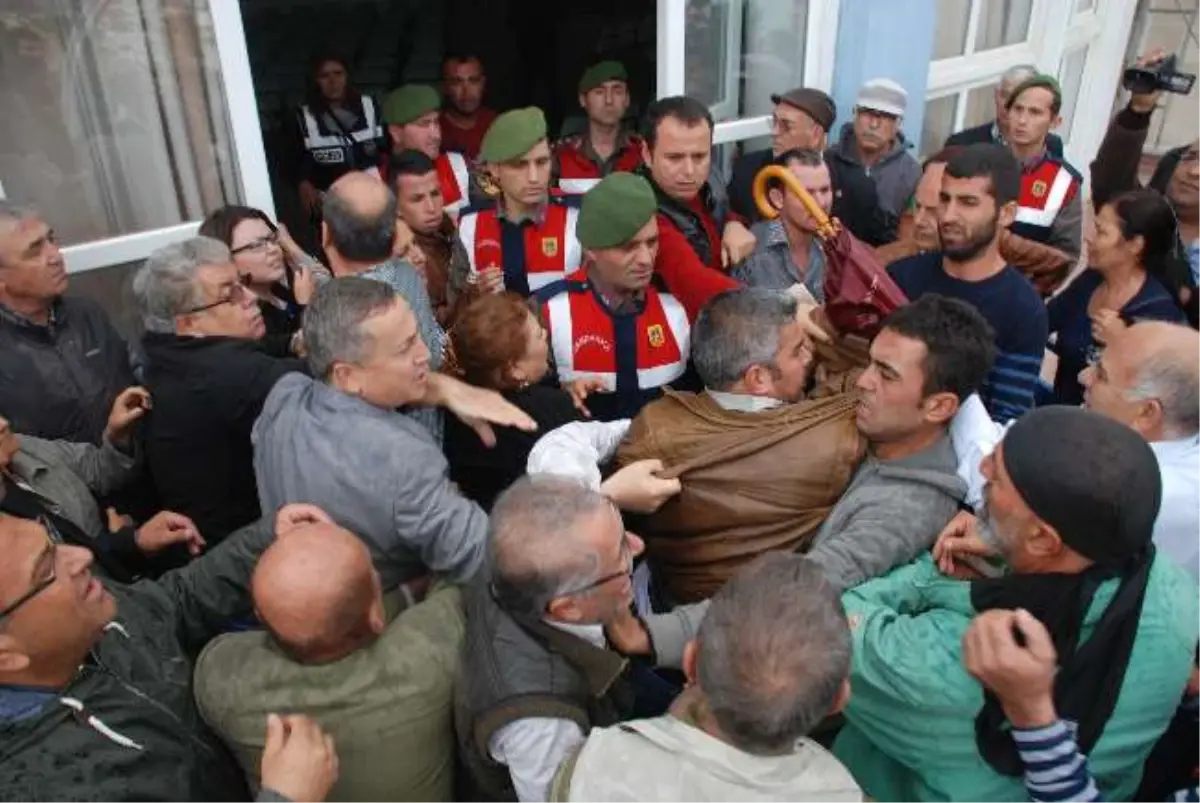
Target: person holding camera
[(1115, 170)]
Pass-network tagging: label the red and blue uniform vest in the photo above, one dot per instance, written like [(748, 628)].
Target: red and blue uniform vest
[(1046, 188), (635, 353), (533, 254), (578, 172), (454, 179)]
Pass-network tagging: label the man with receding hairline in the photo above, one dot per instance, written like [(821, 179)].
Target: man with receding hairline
[(378, 682)]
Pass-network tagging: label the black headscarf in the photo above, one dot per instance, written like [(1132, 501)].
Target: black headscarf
[(1097, 484)]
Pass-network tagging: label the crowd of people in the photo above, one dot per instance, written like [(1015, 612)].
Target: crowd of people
[(550, 478)]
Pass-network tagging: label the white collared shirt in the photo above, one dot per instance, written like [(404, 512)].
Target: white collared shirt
[(533, 747), (1178, 522), (743, 402)]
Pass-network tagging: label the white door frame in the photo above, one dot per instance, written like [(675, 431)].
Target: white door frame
[(250, 157), (820, 42)]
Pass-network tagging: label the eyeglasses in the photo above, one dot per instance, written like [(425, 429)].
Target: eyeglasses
[(235, 294), (626, 558), (52, 539), (260, 244)]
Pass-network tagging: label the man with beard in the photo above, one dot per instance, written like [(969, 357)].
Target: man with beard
[(1071, 499), (978, 200), (464, 118)]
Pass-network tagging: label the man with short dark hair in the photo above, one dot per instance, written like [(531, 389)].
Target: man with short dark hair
[(1050, 204), (379, 681), (787, 253), (605, 146), (420, 206), (769, 663), (802, 118), (413, 123), (61, 361), (996, 129), (465, 120), (977, 201), (524, 239)]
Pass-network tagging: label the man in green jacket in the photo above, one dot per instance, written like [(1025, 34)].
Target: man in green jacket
[(96, 677), (1071, 502), (379, 683)]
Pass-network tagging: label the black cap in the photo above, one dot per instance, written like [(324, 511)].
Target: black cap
[(1092, 479), (813, 102)]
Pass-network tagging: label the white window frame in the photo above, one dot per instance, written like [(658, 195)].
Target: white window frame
[(249, 155), (1055, 29), (820, 42)]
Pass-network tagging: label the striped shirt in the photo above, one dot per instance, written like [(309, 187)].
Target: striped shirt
[(1056, 771), (1016, 314)]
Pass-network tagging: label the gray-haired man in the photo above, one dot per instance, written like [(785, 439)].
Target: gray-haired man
[(208, 375), (538, 673), (771, 660), (61, 361)]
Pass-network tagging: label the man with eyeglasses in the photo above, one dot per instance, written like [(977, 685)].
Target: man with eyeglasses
[(538, 672), (96, 677), (802, 118), (61, 361), (208, 372)]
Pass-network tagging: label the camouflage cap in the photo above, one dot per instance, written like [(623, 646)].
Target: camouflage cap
[(615, 210), (407, 103), (597, 74), (513, 134)]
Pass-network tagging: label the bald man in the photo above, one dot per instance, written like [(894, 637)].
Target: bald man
[(358, 231), (380, 684), (1148, 378)]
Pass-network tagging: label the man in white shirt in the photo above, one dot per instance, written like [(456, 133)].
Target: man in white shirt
[(1148, 378), (539, 673)]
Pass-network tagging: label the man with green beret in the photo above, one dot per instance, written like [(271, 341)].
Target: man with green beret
[(525, 239), (411, 114), (607, 146), (610, 329)]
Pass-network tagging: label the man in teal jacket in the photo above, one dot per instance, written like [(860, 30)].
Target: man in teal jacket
[(1071, 502)]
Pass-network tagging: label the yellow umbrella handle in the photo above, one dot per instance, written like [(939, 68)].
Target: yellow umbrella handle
[(825, 226)]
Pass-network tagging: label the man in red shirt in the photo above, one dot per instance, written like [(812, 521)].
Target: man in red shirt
[(695, 242), (605, 146), (464, 118)]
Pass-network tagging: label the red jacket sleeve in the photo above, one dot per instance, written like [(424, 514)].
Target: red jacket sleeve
[(687, 278)]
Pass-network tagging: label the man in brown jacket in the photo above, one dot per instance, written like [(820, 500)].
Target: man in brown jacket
[(1046, 267)]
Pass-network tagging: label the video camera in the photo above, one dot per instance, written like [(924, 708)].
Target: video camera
[(1158, 77)]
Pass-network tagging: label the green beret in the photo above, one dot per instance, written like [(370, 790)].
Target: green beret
[(513, 134), (615, 210), (407, 103), (597, 74)]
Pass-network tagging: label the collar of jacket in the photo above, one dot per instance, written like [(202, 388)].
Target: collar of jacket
[(599, 666), (634, 305), (584, 145), (743, 402), (847, 148), (537, 216), (47, 330)]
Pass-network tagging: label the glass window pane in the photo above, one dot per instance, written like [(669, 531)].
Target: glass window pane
[(114, 115), (981, 106), (939, 123), (1070, 74), (950, 35), (1084, 5), (740, 52), (1002, 22)]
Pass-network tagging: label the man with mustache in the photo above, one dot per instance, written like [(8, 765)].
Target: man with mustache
[(61, 361), (977, 201), (874, 143)]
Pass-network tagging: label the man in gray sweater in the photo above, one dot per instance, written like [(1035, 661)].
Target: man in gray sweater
[(928, 358)]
